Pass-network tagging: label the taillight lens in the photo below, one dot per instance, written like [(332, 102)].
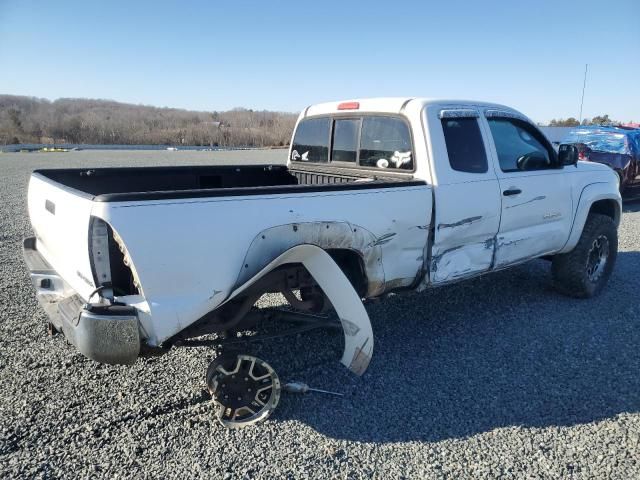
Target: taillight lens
[(112, 268), (349, 106), (99, 255)]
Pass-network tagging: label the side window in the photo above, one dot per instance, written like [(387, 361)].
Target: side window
[(345, 140), (311, 141), (385, 143), (464, 145), (519, 146)]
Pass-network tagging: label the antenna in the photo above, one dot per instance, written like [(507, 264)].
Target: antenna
[(584, 84)]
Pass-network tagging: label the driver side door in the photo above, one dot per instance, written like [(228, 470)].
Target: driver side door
[(535, 191)]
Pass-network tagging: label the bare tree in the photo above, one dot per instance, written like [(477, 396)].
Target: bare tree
[(69, 120)]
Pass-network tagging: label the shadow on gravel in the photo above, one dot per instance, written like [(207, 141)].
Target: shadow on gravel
[(500, 351), (631, 205), (630, 196)]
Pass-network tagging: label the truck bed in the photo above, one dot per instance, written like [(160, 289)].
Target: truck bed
[(153, 183), (184, 257)]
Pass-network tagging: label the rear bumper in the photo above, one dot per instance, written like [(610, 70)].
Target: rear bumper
[(105, 333)]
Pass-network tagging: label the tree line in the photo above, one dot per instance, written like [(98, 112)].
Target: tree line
[(106, 122), (572, 122), (103, 122)]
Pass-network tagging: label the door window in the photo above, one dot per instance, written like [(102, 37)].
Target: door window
[(520, 147), (464, 145)]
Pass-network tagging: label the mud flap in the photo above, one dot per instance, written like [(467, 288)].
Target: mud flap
[(358, 335)]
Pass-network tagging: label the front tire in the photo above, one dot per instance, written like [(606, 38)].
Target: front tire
[(585, 270)]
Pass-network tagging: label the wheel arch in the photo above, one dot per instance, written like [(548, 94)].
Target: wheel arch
[(358, 333), (594, 198), (352, 265), (608, 207)]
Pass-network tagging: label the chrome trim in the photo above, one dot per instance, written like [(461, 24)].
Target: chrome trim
[(459, 113), (493, 113)]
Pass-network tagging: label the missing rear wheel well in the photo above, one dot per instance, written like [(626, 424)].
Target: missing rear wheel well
[(351, 264)]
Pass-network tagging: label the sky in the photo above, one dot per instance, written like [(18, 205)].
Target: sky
[(285, 55)]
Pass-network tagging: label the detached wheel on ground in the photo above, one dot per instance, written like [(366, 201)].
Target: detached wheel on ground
[(585, 270), (245, 389)]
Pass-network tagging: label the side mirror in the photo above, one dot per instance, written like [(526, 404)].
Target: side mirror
[(568, 154)]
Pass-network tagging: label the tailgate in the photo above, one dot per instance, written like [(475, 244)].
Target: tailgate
[(60, 219)]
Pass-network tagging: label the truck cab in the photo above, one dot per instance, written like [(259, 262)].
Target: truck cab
[(500, 193)]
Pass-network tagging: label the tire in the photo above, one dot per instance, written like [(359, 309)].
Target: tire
[(585, 270)]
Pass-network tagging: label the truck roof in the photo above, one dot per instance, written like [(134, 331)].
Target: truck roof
[(389, 105)]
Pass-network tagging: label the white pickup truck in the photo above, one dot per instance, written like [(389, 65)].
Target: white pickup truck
[(378, 195)]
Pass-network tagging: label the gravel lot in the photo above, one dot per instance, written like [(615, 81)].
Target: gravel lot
[(498, 377)]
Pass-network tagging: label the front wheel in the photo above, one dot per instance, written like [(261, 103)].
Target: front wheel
[(585, 270)]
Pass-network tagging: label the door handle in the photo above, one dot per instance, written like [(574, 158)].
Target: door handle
[(511, 191)]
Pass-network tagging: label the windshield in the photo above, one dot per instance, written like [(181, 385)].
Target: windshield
[(600, 141)]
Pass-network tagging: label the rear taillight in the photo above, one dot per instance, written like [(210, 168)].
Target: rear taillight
[(99, 255), (582, 156), (111, 265)]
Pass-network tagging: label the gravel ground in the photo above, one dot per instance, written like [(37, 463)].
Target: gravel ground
[(498, 377)]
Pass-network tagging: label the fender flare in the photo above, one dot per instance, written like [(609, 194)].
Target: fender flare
[(272, 242), (589, 195), (356, 326)]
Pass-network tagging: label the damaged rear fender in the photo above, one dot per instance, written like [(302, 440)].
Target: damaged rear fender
[(358, 334), (272, 242)]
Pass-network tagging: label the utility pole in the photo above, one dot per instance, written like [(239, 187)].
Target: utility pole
[(584, 84)]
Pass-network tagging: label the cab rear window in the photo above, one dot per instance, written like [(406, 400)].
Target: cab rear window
[(385, 143), (311, 143), (345, 140), (373, 141)]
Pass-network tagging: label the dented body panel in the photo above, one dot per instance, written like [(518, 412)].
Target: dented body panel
[(185, 275), (463, 245), (191, 251), (467, 207)]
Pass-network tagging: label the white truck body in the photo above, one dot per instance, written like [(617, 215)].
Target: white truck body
[(192, 247)]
